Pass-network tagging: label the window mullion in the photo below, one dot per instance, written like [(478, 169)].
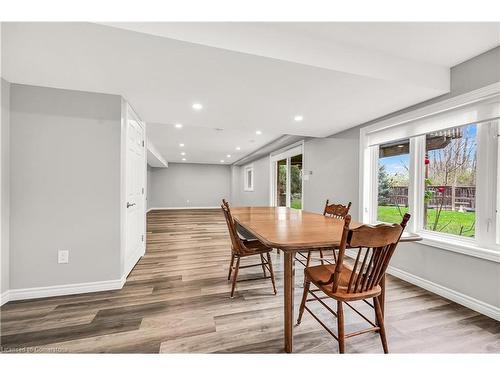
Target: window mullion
[(416, 185), (374, 151), (485, 182)]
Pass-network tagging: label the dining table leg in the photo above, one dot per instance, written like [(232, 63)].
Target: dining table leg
[(289, 284)]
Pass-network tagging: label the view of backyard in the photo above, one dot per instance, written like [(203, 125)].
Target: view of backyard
[(295, 182), (296, 203), (450, 175), (459, 221)]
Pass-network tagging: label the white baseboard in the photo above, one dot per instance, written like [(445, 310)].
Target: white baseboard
[(460, 298), (182, 208), (61, 290), (4, 297)]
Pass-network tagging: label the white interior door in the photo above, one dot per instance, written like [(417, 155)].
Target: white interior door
[(135, 190)]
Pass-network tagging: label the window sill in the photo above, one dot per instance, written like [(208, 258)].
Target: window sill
[(460, 246)]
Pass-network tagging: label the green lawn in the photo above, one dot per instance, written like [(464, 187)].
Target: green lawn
[(449, 221), (296, 203)]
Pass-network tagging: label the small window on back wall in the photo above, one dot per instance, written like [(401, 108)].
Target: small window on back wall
[(248, 173)]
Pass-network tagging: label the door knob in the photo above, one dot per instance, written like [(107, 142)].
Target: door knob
[(130, 204)]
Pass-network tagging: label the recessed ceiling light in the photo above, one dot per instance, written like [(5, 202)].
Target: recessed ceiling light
[(178, 126), (238, 148), (298, 118), (258, 132), (222, 161), (181, 144), (183, 159), (183, 153), (197, 106), (228, 155), (400, 146)]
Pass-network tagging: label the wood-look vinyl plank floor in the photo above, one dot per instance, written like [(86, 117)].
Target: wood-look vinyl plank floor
[(176, 300)]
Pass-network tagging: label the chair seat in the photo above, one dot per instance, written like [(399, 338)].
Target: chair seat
[(322, 273), (255, 247)]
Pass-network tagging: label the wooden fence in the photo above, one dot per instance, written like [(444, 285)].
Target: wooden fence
[(452, 198)]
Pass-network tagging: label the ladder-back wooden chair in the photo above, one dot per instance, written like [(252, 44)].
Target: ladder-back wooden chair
[(241, 248), (375, 246), (336, 211)]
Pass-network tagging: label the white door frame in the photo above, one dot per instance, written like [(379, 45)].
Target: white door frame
[(287, 153), (128, 112)]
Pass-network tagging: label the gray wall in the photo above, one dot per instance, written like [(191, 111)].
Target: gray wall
[(478, 72), (334, 165), (260, 195), (65, 186), (474, 277), (5, 188), (189, 185)]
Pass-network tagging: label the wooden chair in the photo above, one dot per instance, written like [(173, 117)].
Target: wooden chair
[(345, 284), (336, 211), (241, 248)]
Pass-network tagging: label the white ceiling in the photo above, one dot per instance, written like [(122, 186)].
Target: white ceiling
[(205, 145), (441, 43), (248, 76)]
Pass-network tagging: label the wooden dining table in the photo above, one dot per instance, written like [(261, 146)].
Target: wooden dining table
[(291, 230)]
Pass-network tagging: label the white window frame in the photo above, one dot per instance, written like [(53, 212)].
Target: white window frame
[(246, 186), (485, 244)]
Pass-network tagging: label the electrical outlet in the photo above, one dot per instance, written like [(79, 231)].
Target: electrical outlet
[(63, 256)]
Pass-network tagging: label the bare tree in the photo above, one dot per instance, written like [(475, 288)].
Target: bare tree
[(453, 163)]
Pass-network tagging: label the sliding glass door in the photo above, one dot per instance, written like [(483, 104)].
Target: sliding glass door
[(286, 184), (281, 183), (296, 181)]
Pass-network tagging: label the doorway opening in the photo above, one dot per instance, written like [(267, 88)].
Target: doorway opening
[(286, 189)]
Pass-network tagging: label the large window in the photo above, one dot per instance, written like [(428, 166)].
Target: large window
[(443, 170), (450, 181), (393, 181)]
